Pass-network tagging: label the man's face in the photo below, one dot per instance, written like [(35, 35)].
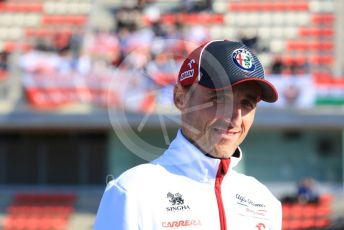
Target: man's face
[(218, 121)]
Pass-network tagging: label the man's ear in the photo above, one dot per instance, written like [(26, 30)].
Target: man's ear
[(179, 96)]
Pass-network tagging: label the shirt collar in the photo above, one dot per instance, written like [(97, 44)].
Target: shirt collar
[(184, 158)]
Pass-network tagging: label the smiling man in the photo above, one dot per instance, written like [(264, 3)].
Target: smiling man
[(193, 184)]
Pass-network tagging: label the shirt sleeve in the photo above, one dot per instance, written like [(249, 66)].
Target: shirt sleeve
[(117, 210)]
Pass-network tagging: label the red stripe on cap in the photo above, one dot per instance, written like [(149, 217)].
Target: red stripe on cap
[(188, 73), (190, 69)]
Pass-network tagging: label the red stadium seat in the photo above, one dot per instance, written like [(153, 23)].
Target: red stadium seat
[(294, 224), (322, 60), (313, 45), (191, 19), (3, 75), (11, 46), (306, 216), (325, 199), (39, 211), (23, 6), (288, 60), (322, 223), (61, 20), (301, 5), (323, 18), (317, 32)]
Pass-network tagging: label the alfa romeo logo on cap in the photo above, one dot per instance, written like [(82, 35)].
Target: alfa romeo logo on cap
[(243, 59)]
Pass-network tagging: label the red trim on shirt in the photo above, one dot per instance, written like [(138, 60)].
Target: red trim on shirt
[(221, 172)]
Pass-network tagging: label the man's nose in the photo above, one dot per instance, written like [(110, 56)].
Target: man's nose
[(236, 115), (231, 114)]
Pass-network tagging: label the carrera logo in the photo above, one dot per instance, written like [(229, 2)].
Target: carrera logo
[(181, 223), (177, 202), (187, 74)]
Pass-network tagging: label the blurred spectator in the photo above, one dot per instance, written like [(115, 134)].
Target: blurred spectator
[(306, 192), (126, 18), (299, 67), (196, 35), (84, 65), (61, 41), (66, 63), (141, 4), (289, 66), (196, 6), (116, 58), (3, 64), (187, 5), (291, 93), (277, 66), (44, 44), (159, 29), (3, 61), (250, 40), (75, 43), (153, 51), (162, 69)]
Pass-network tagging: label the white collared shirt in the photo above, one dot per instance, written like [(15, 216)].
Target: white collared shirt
[(177, 191)]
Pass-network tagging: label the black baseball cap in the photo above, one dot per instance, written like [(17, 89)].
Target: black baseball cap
[(221, 63)]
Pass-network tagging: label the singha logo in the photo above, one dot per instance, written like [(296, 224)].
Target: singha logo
[(175, 199)]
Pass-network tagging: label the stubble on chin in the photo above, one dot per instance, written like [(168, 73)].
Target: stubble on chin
[(222, 152)]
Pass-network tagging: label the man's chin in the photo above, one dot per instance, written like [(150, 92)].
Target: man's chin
[(223, 151)]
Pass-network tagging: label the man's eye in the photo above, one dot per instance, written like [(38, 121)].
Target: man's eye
[(248, 104)]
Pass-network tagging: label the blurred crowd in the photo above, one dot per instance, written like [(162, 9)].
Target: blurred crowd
[(132, 44), (3, 64), (306, 193), (141, 50)]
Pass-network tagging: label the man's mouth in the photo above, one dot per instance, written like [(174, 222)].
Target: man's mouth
[(226, 133)]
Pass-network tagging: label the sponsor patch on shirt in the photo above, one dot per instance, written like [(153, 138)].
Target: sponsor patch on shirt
[(180, 223), (177, 202), (251, 208), (242, 200)]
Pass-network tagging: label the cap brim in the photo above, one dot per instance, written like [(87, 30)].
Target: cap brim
[(269, 92)]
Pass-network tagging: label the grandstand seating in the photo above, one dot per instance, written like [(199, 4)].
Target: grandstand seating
[(316, 32), (287, 26), (63, 19), (245, 6), (19, 19), (307, 216), (23, 6), (192, 19), (39, 211), (301, 29), (322, 18)]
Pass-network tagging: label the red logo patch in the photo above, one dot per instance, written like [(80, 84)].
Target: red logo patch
[(260, 226)]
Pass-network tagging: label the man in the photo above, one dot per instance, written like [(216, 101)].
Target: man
[(193, 184)]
